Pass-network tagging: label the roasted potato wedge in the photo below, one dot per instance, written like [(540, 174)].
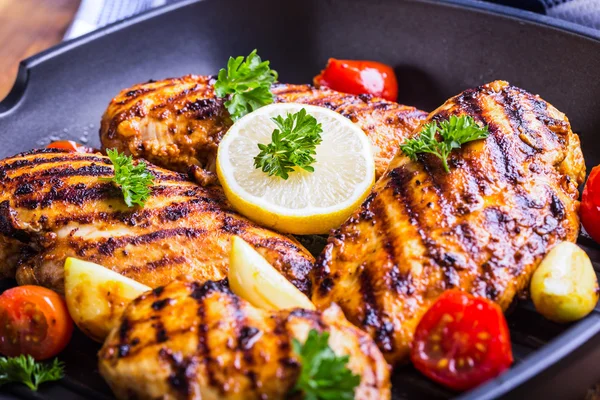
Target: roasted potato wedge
[(97, 296), (564, 288)]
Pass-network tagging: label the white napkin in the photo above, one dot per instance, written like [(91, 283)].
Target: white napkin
[(94, 14)]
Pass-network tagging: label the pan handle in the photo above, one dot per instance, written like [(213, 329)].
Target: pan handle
[(16, 92)]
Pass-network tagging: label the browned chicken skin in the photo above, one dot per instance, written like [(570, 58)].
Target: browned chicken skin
[(200, 341), (484, 227), (53, 205), (178, 123)]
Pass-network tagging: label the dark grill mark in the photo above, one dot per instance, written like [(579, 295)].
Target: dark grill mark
[(200, 291), (557, 207), (163, 262), (175, 211), (514, 108), (372, 318), (202, 109), (160, 304), (309, 315), (124, 329), (137, 216), (71, 195), (123, 350), (8, 226), (321, 271), (108, 246), (24, 189), (161, 333), (64, 171), (247, 337), (233, 226), (60, 157), (134, 94), (280, 331), (183, 370)]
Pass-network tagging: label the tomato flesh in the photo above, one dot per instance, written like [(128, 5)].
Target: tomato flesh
[(590, 205), (33, 320), (69, 145), (359, 77), (462, 341)]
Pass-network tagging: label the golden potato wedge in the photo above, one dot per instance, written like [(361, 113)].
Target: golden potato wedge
[(97, 296), (564, 288), (252, 278)]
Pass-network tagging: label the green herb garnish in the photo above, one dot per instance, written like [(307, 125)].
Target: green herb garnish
[(323, 374), (134, 180), (24, 369), (293, 144), (247, 83), (454, 133)]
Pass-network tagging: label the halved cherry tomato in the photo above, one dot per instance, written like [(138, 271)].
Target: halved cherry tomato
[(590, 205), (359, 77), (33, 320), (69, 145), (462, 341)]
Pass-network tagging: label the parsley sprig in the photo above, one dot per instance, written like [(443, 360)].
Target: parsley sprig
[(134, 179), (247, 83), (454, 133), (323, 374), (293, 144), (24, 369)]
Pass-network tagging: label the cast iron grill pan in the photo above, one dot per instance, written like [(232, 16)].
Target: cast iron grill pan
[(438, 49)]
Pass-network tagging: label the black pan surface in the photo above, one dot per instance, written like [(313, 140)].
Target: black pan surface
[(438, 49)]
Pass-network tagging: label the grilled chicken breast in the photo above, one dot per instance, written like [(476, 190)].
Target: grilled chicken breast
[(53, 205), (200, 341), (178, 123), (484, 227)]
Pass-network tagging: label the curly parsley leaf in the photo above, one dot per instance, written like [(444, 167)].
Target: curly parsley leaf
[(24, 369), (134, 179), (454, 132), (247, 83), (293, 144), (323, 374)]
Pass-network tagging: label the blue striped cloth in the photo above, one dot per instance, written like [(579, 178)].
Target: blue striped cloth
[(583, 12), (94, 14)]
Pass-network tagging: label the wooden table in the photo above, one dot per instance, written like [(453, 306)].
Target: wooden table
[(28, 27)]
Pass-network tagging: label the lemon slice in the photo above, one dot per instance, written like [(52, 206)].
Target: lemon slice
[(255, 280), (307, 202), (96, 296)]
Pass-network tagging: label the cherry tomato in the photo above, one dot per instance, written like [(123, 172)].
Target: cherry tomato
[(462, 341), (69, 145), (358, 77), (33, 320), (590, 205)]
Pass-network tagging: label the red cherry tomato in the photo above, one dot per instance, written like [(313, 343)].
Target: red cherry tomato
[(33, 320), (462, 341), (69, 145), (590, 205), (358, 77)]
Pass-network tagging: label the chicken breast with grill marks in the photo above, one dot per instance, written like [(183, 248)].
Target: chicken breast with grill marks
[(178, 123), (53, 205), (200, 341), (483, 227)]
